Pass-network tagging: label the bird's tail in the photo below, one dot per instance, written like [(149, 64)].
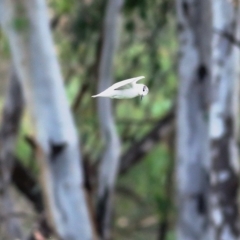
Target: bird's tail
[(99, 95)]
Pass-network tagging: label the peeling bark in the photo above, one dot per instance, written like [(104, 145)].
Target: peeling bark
[(26, 25), (109, 166), (12, 114), (192, 118), (224, 181)]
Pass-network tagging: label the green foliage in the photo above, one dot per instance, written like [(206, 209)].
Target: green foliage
[(4, 47), (149, 180), (20, 23), (62, 7), (147, 47), (23, 151)]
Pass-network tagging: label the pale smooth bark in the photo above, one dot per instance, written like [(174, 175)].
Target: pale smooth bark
[(109, 165), (26, 25), (192, 124), (11, 118), (223, 130)]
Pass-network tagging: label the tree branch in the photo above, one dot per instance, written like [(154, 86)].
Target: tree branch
[(138, 150)]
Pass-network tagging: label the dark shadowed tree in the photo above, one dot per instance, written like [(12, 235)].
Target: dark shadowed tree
[(11, 117)]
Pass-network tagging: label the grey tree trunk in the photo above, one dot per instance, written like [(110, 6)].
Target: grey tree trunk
[(12, 114), (224, 181), (26, 25), (110, 161), (192, 124)]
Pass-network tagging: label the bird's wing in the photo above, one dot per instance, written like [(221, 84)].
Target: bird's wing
[(126, 83)]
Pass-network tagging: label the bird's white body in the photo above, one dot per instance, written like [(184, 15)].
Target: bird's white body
[(125, 89), (120, 94)]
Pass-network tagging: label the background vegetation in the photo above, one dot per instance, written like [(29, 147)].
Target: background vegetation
[(147, 44)]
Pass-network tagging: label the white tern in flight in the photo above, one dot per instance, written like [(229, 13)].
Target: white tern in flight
[(125, 89)]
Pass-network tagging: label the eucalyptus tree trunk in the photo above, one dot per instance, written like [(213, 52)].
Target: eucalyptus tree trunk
[(11, 118), (109, 166), (26, 25), (224, 171), (194, 28)]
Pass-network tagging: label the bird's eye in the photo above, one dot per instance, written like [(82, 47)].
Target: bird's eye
[(144, 88)]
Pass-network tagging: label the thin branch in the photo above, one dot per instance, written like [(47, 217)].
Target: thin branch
[(138, 150), (79, 96), (129, 193)]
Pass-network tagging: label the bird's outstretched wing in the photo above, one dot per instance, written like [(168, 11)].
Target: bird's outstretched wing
[(126, 82)]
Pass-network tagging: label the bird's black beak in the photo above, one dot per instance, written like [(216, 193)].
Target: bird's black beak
[(141, 97)]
